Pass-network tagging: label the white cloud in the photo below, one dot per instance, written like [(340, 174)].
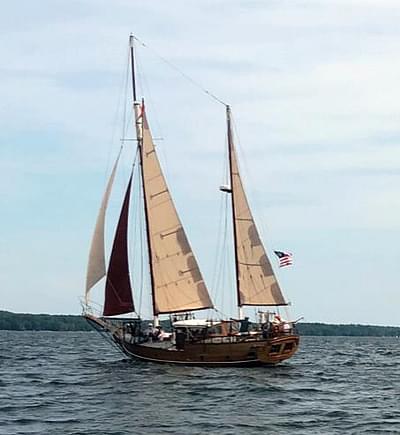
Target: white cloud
[(313, 87)]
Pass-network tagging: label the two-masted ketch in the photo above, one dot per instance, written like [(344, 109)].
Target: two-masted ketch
[(177, 285)]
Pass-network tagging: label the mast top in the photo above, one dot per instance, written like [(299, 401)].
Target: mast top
[(132, 51)]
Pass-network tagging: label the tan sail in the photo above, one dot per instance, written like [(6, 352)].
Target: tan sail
[(177, 281), (256, 280), (97, 265)]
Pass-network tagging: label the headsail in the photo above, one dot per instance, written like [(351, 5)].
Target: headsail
[(97, 264), (177, 280), (257, 284), (118, 295)]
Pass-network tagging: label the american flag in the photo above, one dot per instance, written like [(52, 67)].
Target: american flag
[(285, 258)]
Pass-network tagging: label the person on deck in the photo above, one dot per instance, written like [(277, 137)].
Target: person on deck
[(156, 333), (286, 328), (244, 325), (281, 325), (164, 336), (149, 331), (276, 324)]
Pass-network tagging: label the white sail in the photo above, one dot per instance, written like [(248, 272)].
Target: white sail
[(97, 265), (256, 279), (177, 281)]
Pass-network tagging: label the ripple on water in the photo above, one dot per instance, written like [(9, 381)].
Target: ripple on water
[(73, 383)]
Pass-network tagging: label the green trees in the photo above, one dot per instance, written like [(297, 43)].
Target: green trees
[(54, 322), (324, 329), (41, 322)]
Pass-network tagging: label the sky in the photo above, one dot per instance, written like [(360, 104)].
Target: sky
[(314, 89)]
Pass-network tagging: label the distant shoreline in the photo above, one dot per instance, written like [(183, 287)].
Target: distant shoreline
[(58, 322)]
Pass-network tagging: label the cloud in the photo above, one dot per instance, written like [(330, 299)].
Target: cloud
[(314, 93)]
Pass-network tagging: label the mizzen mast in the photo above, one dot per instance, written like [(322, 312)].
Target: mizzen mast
[(255, 279), (235, 242)]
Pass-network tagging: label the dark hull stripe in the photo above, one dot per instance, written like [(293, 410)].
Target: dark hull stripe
[(255, 362)]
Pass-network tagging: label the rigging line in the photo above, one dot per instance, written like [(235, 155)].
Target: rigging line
[(135, 159), (220, 245), (184, 75), (221, 312), (138, 248), (222, 266), (227, 247), (150, 103), (229, 278), (134, 200), (127, 126), (142, 244), (118, 108), (124, 124), (262, 221), (146, 89), (137, 243), (132, 237), (222, 256), (287, 314), (225, 270), (249, 187), (215, 274)]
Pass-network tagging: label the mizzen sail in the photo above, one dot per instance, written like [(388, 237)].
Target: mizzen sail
[(118, 294), (257, 284), (97, 264), (177, 281)]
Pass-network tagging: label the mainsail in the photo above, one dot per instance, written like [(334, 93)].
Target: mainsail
[(97, 264), (177, 281), (256, 281), (118, 294)]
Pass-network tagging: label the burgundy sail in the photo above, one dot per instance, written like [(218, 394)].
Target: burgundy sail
[(118, 295)]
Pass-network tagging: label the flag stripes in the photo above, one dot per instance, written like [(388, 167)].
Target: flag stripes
[(285, 258)]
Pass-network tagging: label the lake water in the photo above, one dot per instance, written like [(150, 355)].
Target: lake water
[(75, 383)]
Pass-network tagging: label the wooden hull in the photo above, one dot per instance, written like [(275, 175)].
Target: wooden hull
[(239, 353), (226, 351)]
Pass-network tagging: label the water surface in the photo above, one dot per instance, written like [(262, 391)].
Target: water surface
[(75, 383)]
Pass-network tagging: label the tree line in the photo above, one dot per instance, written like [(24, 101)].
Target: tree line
[(42, 322), (324, 329), (55, 322)]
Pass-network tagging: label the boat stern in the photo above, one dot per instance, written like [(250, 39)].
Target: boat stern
[(278, 349)]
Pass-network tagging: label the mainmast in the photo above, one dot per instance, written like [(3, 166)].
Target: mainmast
[(230, 152), (138, 110), (176, 281)]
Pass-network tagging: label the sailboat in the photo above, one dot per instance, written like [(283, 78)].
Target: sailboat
[(178, 289)]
